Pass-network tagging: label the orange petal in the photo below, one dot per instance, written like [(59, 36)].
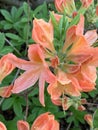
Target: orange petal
[(87, 81), (45, 122), (70, 37), (19, 63), (26, 80), (6, 91), (73, 33), (73, 89), (57, 102), (62, 78), (47, 76), (80, 26), (42, 33), (55, 90), (80, 47), (2, 126), (35, 53), (23, 125), (41, 89), (6, 67), (91, 37)]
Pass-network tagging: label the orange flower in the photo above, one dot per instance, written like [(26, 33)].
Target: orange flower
[(6, 67), (42, 33), (86, 3), (6, 91), (77, 71), (36, 69), (63, 85), (23, 125), (45, 121), (2, 126)]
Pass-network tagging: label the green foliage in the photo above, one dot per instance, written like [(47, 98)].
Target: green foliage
[(15, 36)]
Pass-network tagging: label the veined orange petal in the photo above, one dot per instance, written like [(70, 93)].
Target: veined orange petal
[(42, 33), (79, 58), (41, 89), (2, 126), (26, 80), (19, 63), (91, 37), (6, 91), (47, 76), (23, 125)]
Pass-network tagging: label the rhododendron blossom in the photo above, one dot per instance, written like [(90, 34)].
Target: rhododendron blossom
[(36, 69), (45, 121), (62, 60)]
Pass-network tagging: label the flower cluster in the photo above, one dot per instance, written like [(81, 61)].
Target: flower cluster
[(63, 56), (45, 121)]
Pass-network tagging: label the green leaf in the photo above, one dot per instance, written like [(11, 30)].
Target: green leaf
[(60, 114), (6, 50), (7, 103), (45, 10), (11, 125), (37, 10), (34, 92), (26, 8), (19, 12), (17, 108), (2, 118), (6, 15), (13, 13), (36, 101), (13, 36), (76, 19), (7, 26), (31, 117), (2, 40), (95, 119)]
